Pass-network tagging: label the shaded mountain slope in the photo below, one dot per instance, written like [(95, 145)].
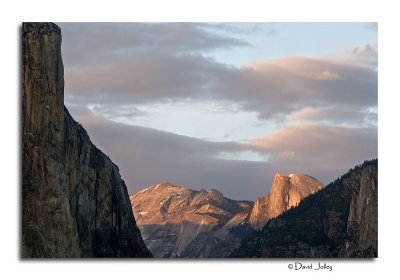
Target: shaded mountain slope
[(338, 221)]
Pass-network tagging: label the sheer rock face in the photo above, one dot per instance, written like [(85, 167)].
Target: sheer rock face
[(362, 222), (286, 192), (180, 222), (338, 221), (74, 202)]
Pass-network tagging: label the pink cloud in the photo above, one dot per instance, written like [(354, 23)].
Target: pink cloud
[(318, 149)]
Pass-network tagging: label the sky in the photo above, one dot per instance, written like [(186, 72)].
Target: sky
[(225, 105)]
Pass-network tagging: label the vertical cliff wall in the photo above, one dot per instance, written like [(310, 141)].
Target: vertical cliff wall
[(341, 220), (74, 202), (362, 222), (286, 191)]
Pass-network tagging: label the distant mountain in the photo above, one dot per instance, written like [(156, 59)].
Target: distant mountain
[(286, 192), (74, 202), (338, 221), (180, 222)]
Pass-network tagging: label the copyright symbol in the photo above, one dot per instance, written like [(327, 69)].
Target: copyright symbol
[(290, 266)]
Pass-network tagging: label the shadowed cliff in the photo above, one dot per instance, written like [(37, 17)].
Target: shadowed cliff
[(74, 202)]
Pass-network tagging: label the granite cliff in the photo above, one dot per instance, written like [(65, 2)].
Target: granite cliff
[(74, 202), (338, 221), (180, 222), (286, 192)]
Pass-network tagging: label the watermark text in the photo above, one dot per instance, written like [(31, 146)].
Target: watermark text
[(320, 266)]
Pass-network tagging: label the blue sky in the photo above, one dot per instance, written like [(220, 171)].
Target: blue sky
[(224, 105), (277, 40)]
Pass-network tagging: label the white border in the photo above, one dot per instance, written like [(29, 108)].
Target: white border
[(15, 12)]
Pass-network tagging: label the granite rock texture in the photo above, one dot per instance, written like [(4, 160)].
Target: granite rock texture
[(340, 221), (74, 202), (177, 222), (286, 192)]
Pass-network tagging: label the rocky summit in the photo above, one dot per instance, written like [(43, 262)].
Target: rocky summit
[(286, 192), (180, 222), (74, 202), (341, 220)]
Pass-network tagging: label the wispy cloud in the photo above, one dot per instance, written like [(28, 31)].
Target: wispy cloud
[(147, 156), (335, 115), (271, 88), (319, 149), (99, 42), (322, 110)]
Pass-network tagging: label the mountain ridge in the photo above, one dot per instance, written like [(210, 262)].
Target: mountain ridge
[(212, 220), (181, 222), (337, 221)]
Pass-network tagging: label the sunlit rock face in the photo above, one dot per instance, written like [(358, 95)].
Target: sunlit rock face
[(341, 220), (286, 192), (180, 222), (74, 202)]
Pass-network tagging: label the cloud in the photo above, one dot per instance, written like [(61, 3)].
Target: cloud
[(367, 54), (147, 156), (272, 88), (319, 150), (241, 28), (289, 83), (98, 42), (323, 109), (362, 55), (141, 63), (334, 115), (143, 79), (309, 68), (136, 63)]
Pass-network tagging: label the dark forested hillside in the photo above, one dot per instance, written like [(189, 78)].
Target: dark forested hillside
[(338, 221)]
